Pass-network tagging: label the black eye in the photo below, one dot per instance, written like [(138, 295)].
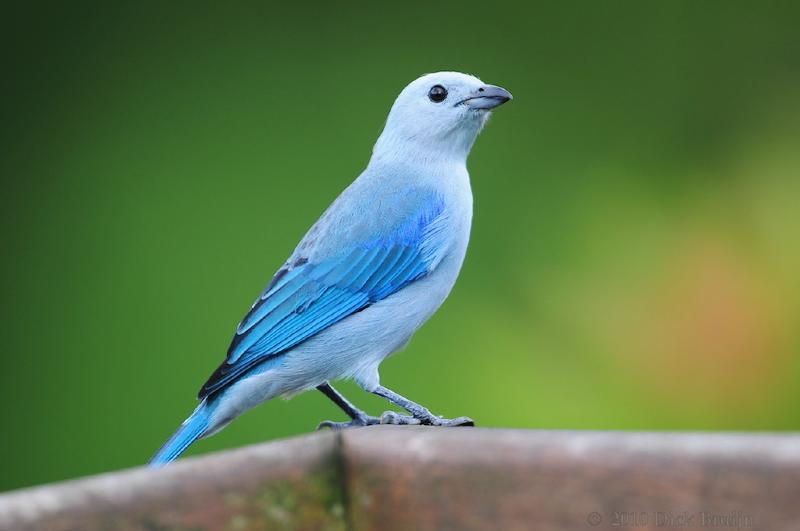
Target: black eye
[(437, 94)]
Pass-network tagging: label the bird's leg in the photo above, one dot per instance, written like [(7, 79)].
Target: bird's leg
[(359, 418), (419, 413)]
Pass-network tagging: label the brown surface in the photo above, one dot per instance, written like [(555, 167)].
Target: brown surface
[(406, 477), (518, 480), (290, 484)]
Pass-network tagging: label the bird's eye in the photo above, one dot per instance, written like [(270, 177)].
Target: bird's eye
[(437, 94)]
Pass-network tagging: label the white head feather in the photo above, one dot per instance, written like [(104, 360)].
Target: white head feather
[(421, 126)]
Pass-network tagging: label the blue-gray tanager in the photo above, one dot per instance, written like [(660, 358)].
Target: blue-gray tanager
[(377, 264)]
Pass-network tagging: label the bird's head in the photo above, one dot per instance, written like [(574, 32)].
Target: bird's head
[(438, 116)]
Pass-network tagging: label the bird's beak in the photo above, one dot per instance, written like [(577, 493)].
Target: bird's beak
[(486, 97)]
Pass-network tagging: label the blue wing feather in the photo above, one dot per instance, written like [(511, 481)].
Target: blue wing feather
[(303, 300)]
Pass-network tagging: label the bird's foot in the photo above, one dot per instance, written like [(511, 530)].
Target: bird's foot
[(458, 421), (396, 419), (390, 417), (358, 422)]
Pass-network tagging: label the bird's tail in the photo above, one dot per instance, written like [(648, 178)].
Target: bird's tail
[(192, 429)]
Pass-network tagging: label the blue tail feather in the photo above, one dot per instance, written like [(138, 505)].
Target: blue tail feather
[(192, 429)]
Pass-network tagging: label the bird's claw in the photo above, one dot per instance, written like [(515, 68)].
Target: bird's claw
[(395, 419), (390, 417), (358, 422), (458, 421), (439, 421)]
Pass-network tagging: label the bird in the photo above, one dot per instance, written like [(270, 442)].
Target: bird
[(376, 265)]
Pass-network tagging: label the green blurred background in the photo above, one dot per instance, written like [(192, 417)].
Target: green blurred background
[(636, 242)]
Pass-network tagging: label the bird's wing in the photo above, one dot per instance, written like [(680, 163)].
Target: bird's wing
[(314, 289)]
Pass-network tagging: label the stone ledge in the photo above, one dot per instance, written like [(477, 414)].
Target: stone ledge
[(401, 478)]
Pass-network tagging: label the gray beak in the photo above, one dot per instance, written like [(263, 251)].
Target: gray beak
[(487, 97)]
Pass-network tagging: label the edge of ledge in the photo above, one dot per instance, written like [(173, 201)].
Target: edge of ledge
[(336, 478)]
